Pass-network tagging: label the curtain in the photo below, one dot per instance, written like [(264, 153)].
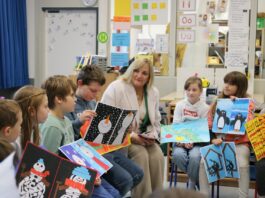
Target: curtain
[(13, 44)]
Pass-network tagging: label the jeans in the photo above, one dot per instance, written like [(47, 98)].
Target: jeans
[(105, 190), (124, 174), (188, 160)]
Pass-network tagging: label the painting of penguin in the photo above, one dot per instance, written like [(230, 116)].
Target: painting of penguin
[(222, 119), (237, 122)]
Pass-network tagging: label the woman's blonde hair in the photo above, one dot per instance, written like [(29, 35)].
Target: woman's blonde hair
[(137, 64)]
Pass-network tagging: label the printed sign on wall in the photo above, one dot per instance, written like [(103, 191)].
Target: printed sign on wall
[(186, 36), (186, 5), (187, 20)]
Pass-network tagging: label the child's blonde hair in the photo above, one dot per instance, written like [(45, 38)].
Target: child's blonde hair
[(29, 98), (9, 110)]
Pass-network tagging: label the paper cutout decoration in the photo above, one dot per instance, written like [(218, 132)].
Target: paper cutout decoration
[(220, 161), (110, 125), (44, 174), (231, 116), (82, 153), (186, 132), (256, 133)]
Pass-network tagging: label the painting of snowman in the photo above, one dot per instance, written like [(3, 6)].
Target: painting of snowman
[(104, 127), (125, 124), (75, 185), (34, 185)]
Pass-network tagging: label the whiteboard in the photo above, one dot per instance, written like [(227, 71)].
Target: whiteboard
[(68, 33)]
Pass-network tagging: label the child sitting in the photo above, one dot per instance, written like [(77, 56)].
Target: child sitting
[(187, 156)]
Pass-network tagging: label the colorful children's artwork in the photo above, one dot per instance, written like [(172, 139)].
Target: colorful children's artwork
[(44, 174), (231, 116), (82, 153), (110, 125), (256, 133), (104, 148), (220, 161), (186, 132)]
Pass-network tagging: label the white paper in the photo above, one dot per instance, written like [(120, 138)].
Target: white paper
[(161, 43), (144, 45)]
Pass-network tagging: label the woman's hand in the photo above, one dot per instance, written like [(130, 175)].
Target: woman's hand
[(87, 115), (136, 139), (217, 141)]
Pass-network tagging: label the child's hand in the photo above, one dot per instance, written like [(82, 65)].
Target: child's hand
[(217, 141), (130, 129), (188, 145), (97, 181), (233, 97), (87, 115)]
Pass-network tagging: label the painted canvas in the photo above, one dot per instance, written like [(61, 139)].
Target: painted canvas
[(110, 125), (186, 132), (44, 174), (220, 161), (231, 115), (82, 153), (256, 133)]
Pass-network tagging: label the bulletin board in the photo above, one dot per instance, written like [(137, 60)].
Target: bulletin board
[(69, 32)]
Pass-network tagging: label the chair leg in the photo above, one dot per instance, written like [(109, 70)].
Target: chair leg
[(172, 172), (218, 188), (176, 175), (212, 189), (255, 192)]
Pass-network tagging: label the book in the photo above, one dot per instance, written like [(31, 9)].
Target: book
[(110, 125), (186, 132), (45, 174), (220, 161), (82, 153), (256, 134), (231, 115)]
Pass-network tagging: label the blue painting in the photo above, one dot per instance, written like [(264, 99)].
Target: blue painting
[(229, 154), (231, 115), (220, 161), (82, 153), (186, 132)]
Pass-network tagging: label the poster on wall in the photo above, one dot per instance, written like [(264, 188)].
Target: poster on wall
[(144, 12), (238, 40), (120, 48), (144, 45)]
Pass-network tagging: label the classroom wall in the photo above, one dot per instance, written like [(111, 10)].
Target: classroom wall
[(36, 41), (36, 35)]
